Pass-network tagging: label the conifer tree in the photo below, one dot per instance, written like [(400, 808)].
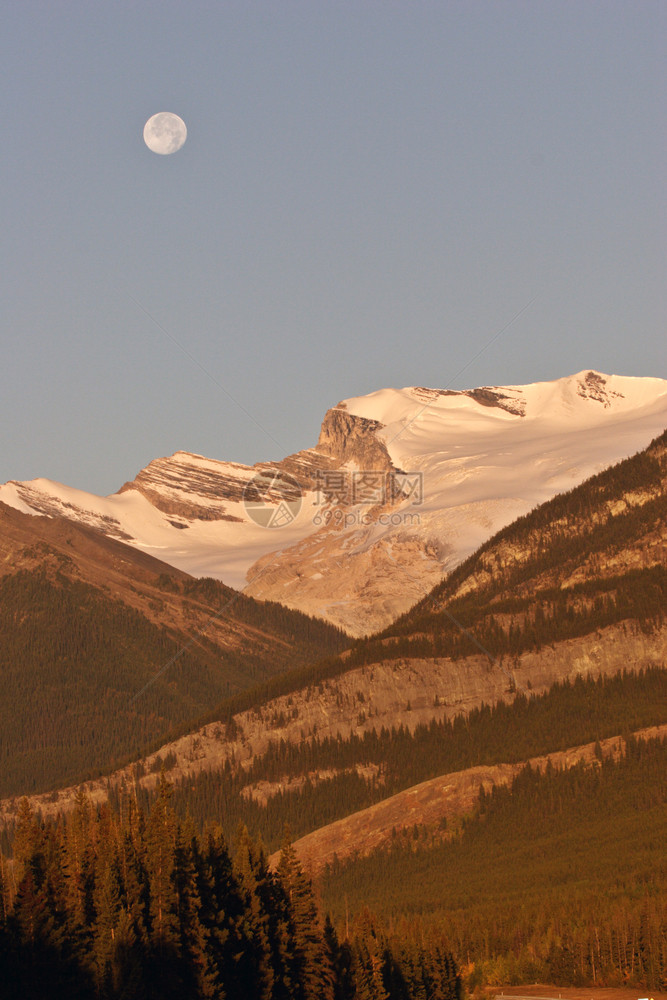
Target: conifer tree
[(27, 837), (339, 957), (5, 894), (257, 972), (219, 908), (314, 968), (161, 831), (107, 905), (166, 966), (200, 977), (79, 866), (368, 972)]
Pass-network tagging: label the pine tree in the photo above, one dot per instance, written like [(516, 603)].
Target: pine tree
[(368, 968), (221, 908), (200, 975), (45, 963), (255, 968), (339, 957), (78, 867), (315, 971), (161, 834), (27, 838), (5, 893), (107, 904), (166, 967)]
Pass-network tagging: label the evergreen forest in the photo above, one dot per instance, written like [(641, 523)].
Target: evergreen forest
[(560, 878), (569, 714), (120, 904), (89, 682)]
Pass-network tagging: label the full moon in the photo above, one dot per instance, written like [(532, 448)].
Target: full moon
[(165, 133)]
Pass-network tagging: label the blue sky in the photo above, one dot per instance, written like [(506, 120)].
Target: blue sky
[(369, 193)]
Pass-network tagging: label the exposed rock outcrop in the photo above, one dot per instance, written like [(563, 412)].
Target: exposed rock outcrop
[(388, 693), (352, 439)]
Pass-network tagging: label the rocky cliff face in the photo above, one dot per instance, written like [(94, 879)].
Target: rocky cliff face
[(347, 577), (194, 488), (351, 439), (182, 486), (410, 692)]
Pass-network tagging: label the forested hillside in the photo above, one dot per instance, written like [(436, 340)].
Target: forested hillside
[(588, 560), (314, 783), (560, 878), (552, 636), (576, 588), (104, 651)]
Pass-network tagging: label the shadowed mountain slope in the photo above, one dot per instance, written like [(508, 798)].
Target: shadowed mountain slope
[(104, 648)]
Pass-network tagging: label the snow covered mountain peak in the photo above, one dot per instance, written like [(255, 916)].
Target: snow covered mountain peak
[(474, 460), (413, 419), (537, 399)]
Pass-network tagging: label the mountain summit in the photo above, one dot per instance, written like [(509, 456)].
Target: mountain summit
[(402, 485)]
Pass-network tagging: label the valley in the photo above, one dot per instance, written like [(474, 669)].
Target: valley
[(515, 716)]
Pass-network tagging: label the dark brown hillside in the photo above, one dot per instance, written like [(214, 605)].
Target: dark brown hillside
[(104, 649)]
